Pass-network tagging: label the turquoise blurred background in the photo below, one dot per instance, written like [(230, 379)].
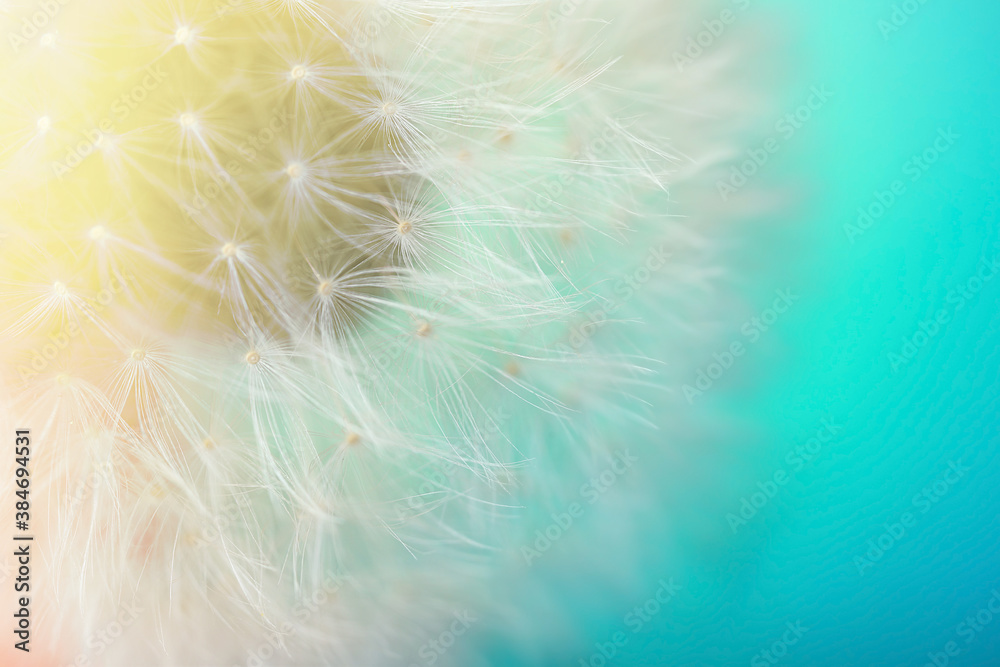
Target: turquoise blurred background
[(878, 543)]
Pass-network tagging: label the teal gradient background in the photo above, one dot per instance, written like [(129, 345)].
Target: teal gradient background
[(898, 425)]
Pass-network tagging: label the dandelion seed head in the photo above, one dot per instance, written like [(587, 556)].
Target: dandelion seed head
[(396, 205)]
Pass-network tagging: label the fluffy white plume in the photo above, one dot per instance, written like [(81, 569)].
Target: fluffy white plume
[(304, 300)]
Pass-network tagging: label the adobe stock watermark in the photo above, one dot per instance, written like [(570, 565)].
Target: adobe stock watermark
[(398, 345), (697, 45), (103, 639), (98, 137), (968, 630), (38, 20), (778, 649), (102, 472), (928, 497), (901, 14), (227, 7), (556, 187), (752, 331), (42, 357), (796, 461), (381, 15), (914, 169), (564, 10), (212, 530), (274, 640), (784, 129), (957, 298), (249, 149), (435, 480), (437, 476), (624, 290), (635, 620), (591, 491), (432, 650)]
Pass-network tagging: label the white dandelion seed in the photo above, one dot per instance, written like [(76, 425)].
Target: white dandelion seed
[(337, 297)]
